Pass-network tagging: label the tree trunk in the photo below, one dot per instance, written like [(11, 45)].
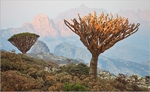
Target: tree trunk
[(93, 66)]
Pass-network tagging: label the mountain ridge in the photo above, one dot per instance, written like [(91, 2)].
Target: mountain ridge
[(56, 32), (44, 26)]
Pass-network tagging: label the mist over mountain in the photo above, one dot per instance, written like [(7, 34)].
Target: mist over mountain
[(53, 32), (140, 39), (82, 10), (117, 66)]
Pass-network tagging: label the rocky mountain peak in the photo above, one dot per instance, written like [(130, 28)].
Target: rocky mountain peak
[(44, 26), (39, 47), (67, 51)]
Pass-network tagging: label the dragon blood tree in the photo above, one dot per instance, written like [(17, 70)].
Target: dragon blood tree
[(99, 33), (23, 41)]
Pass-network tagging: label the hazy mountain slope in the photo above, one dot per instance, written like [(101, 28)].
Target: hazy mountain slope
[(39, 46), (140, 39), (132, 54), (71, 51), (127, 51), (115, 66), (121, 66)]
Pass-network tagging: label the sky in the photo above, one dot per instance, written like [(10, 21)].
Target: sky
[(14, 13)]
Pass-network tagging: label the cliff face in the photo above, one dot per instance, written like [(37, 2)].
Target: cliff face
[(44, 26)]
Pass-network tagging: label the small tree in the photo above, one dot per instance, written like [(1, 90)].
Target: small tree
[(100, 33), (23, 41)]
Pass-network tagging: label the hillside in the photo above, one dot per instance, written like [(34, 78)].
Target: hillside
[(23, 73)]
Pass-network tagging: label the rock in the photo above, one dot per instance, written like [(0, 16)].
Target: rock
[(147, 79), (139, 78), (39, 47), (47, 69), (134, 80), (105, 74)]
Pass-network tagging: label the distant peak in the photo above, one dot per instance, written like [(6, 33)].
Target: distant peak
[(41, 15), (39, 18), (82, 6), (26, 23)]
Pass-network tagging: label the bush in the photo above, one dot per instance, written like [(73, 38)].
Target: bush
[(74, 87), (76, 70), (10, 56), (7, 64), (15, 81)]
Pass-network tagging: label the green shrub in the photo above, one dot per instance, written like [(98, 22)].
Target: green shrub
[(78, 70), (67, 87), (74, 87), (79, 87)]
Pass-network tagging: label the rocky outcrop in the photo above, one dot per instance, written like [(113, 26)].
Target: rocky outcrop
[(134, 79), (105, 74), (39, 47)]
